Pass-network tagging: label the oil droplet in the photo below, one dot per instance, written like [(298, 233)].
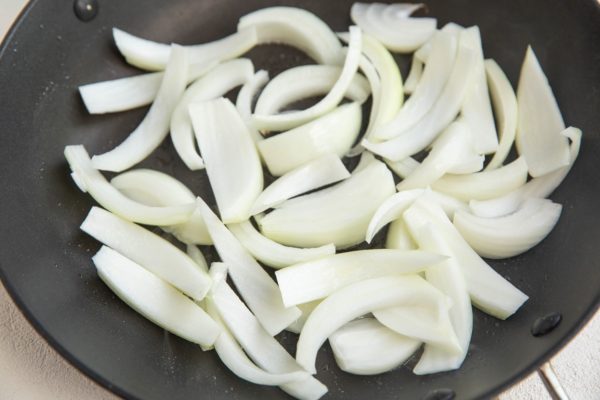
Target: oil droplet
[(85, 10)]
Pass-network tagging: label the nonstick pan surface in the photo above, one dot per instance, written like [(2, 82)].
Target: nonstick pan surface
[(45, 259)]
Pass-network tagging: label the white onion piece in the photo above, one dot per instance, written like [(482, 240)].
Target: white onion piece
[(332, 133), (154, 298), (398, 237), (539, 187), (312, 175), (246, 97), (505, 107), (449, 204), (365, 347), (271, 253), (155, 126), (451, 149), (224, 140), (109, 197), (391, 209), (149, 250), (422, 53), (441, 114), (414, 75), (353, 301), (476, 108), (403, 168), (213, 85), (513, 234), (484, 185), (157, 189), (259, 344), (255, 286), (396, 32), (366, 158), (306, 308), (293, 119), (448, 278), (195, 254), (153, 56), (297, 28), (539, 121), (339, 214), (316, 279), (436, 74), (488, 290)]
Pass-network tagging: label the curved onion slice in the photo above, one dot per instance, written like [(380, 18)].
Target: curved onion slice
[(391, 26), (319, 278), (255, 286), (539, 121), (272, 253), (403, 168), (338, 215), (414, 76), (224, 139), (333, 133), (195, 254), (484, 185), (259, 344), (448, 278), (245, 98), (391, 209), (539, 187), (441, 114), (398, 237), (488, 290), (306, 309), (292, 119), (297, 28), (91, 180), (505, 106), (153, 56), (476, 109), (312, 175), (155, 299), (365, 347), (157, 189), (213, 85), (149, 250), (303, 82), (513, 234), (353, 301), (436, 74)]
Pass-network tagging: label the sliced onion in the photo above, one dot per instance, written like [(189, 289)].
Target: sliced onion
[(398, 237), (196, 255), (297, 28), (321, 171), (505, 107), (484, 185), (272, 253), (338, 215), (259, 344), (391, 209), (155, 299), (476, 108), (539, 121), (391, 25), (365, 347), (333, 133), (224, 139), (353, 301), (403, 168), (91, 181), (320, 278), (306, 309), (245, 98), (292, 119), (153, 56), (255, 286), (155, 125), (414, 76), (148, 250), (513, 234), (213, 85)]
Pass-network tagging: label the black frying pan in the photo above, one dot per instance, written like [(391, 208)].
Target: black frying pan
[(45, 260)]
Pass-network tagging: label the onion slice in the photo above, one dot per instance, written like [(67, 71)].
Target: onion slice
[(403, 168), (246, 97), (224, 139), (319, 278), (273, 254), (306, 309), (398, 237), (390, 210), (153, 56), (414, 76), (154, 298), (539, 121), (155, 125), (196, 255), (148, 250)]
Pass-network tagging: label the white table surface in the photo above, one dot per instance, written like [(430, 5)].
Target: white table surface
[(30, 369)]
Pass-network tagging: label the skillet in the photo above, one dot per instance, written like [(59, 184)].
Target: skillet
[(45, 260)]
